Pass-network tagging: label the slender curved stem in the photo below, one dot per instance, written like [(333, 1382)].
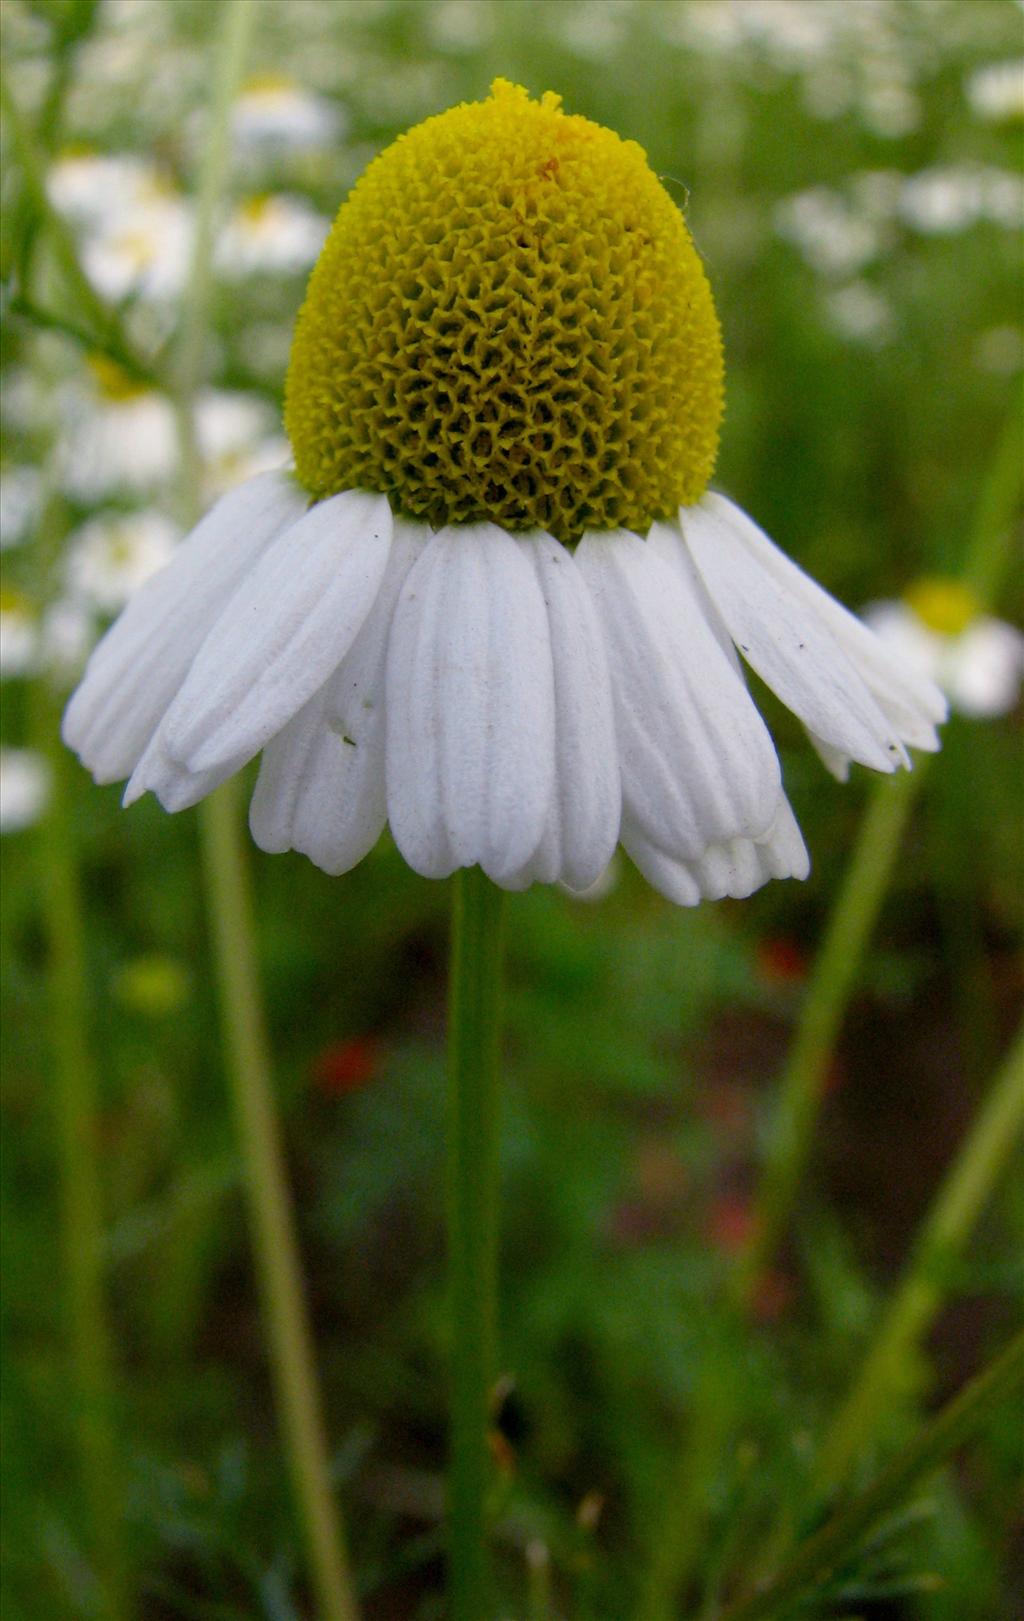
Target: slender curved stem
[(248, 1063), (827, 1551), (273, 1226), (836, 966), (940, 1240), (81, 1206), (473, 1175)]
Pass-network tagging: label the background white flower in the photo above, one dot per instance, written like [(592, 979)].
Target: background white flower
[(111, 556), (977, 660), (25, 780)]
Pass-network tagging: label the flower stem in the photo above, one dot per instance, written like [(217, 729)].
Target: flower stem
[(270, 1210), (81, 1205), (473, 1174), (825, 1553), (228, 901), (835, 969), (940, 1240)]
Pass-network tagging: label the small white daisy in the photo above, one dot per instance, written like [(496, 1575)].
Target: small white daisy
[(274, 113), (996, 91), (495, 606), (19, 634), (110, 557), (271, 233), (939, 628), (24, 788)]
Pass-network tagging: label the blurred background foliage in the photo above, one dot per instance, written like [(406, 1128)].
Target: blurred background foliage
[(851, 173)]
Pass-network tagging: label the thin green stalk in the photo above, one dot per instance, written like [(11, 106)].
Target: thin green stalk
[(100, 316), (860, 899), (826, 1553), (940, 1241), (270, 1210), (473, 1176), (687, 1504), (81, 1206), (275, 1246), (835, 970)]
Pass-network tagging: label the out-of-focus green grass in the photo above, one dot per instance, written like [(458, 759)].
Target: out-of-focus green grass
[(643, 1041)]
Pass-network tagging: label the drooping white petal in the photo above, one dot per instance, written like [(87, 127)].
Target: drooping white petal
[(698, 766), (321, 788), (283, 634), (470, 707), (139, 665), (735, 867), (910, 702), (582, 825), (787, 644)]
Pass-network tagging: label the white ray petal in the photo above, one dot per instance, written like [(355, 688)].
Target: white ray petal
[(283, 634), (321, 788), (582, 825), (698, 765), (910, 702), (786, 642), (735, 867), (135, 672), (470, 707)]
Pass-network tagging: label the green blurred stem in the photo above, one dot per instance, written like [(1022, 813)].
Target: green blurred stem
[(826, 1553), (680, 1540), (860, 900), (102, 321), (228, 900), (834, 973), (940, 1241), (473, 1177), (270, 1210), (81, 1206)]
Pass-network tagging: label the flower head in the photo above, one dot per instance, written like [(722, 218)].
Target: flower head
[(496, 606), (939, 628)]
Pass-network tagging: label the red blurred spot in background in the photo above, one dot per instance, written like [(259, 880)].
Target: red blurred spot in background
[(345, 1066), (781, 961)]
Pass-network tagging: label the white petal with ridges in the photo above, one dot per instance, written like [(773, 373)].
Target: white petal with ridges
[(911, 703), (321, 788), (786, 642), (583, 819), (283, 634), (138, 667), (736, 867), (470, 707), (698, 766)]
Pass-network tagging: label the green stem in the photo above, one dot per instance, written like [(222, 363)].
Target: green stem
[(825, 1553), (940, 1241), (988, 551), (81, 1206), (100, 316), (273, 1226), (473, 1175), (688, 1501), (270, 1210), (835, 970)]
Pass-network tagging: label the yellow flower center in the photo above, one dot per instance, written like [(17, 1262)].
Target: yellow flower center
[(268, 84), (509, 320), (944, 606), (112, 382)]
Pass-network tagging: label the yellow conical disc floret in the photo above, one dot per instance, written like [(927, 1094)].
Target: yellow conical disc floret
[(509, 320)]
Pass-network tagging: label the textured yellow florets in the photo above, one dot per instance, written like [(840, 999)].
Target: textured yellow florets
[(509, 320)]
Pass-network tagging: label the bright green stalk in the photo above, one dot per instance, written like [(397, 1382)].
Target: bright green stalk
[(834, 973), (275, 1247), (940, 1241), (825, 1553), (273, 1226), (81, 1205), (473, 1174)]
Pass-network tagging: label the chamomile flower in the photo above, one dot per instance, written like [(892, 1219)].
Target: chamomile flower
[(273, 113), (24, 788), (938, 627), (110, 557), (271, 233), (496, 605)]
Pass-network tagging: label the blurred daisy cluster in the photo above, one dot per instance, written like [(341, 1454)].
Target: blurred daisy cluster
[(862, 154)]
